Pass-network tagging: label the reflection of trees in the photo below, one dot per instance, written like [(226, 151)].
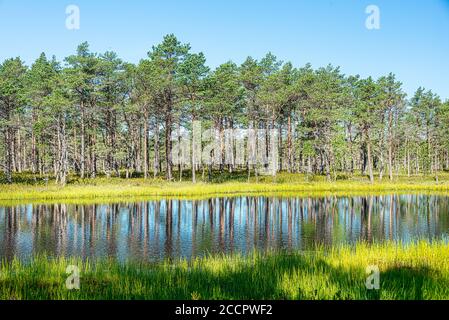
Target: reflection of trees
[(178, 224), (169, 228), (231, 223), (194, 225), (157, 212), (267, 222), (111, 229), (10, 232), (221, 227), (146, 229)]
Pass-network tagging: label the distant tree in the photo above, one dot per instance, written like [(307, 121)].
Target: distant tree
[(12, 104), (424, 107), (167, 58), (324, 112), (57, 112), (367, 115), (224, 103), (111, 93), (39, 85), (82, 76), (193, 71), (392, 103)]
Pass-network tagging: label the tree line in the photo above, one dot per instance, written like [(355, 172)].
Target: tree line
[(94, 114)]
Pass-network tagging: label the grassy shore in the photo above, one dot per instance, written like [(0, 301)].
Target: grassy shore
[(225, 185), (415, 271)]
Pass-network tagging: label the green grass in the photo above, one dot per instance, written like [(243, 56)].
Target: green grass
[(414, 271), (101, 189)]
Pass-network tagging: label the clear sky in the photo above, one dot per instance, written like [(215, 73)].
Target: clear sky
[(412, 42)]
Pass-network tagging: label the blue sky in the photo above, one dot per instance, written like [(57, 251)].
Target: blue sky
[(413, 41)]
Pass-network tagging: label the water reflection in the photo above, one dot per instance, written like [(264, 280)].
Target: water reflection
[(155, 230)]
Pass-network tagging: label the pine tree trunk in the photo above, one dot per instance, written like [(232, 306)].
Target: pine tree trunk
[(156, 163), (370, 161), (289, 145), (168, 143), (83, 142), (145, 144), (8, 156), (390, 145)]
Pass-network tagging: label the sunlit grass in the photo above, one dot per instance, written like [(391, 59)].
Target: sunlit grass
[(414, 271), (227, 185)]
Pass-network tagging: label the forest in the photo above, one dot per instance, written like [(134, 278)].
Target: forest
[(96, 115)]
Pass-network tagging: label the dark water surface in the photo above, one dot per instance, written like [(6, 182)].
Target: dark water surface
[(154, 230)]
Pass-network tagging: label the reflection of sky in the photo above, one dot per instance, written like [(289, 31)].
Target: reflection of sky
[(157, 230)]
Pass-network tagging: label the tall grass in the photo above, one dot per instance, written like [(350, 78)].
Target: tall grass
[(284, 184), (414, 271)]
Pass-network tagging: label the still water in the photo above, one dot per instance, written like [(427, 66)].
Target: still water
[(155, 230)]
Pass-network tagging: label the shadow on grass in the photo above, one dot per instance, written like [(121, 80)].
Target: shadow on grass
[(279, 277), (412, 283), (304, 278)]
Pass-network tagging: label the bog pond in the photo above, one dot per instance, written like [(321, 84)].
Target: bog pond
[(170, 229)]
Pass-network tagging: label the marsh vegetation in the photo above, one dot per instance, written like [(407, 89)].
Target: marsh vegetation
[(415, 271)]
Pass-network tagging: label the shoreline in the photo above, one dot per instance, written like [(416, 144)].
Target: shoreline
[(122, 190)]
